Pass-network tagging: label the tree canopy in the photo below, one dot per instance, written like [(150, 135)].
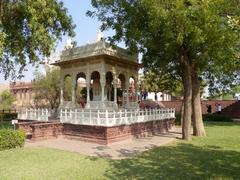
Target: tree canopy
[(6, 100), (161, 30), (47, 89), (29, 30), (195, 39), (161, 82)]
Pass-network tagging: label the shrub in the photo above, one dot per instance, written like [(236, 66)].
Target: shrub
[(11, 139), (206, 117), (5, 125), (8, 116), (178, 119), (216, 117)]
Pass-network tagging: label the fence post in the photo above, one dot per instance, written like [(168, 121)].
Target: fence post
[(135, 115), (114, 117), (98, 118), (156, 113), (120, 116), (139, 114), (162, 114), (70, 115), (90, 114), (34, 114), (131, 117), (159, 114), (75, 116), (82, 116), (37, 114), (61, 120), (106, 117), (26, 113), (65, 115), (41, 112)]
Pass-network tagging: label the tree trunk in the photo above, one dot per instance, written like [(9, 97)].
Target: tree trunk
[(182, 113), (198, 127), (187, 83)]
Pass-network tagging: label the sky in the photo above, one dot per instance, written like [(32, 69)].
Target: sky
[(86, 30)]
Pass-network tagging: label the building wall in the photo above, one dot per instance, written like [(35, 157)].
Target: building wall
[(23, 93), (177, 105)]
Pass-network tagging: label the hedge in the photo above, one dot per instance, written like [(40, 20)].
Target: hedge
[(11, 139), (178, 119), (7, 116), (216, 117), (207, 117)]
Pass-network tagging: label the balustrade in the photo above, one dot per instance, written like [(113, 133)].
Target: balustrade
[(114, 118), (34, 114)]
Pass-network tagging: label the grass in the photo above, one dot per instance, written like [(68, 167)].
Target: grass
[(216, 156)]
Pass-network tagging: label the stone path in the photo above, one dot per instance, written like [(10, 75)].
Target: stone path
[(117, 150)]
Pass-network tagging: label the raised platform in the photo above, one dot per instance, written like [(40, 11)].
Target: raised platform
[(39, 130)]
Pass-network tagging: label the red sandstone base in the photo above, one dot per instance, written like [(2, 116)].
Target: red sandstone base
[(97, 134)]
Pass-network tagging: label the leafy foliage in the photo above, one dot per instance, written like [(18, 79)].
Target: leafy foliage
[(29, 30), (192, 39), (6, 100), (47, 88), (11, 139), (227, 94), (7, 116), (162, 82), (163, 30), (5, 125), (68, 88)]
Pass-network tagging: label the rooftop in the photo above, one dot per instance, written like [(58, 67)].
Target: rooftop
[(98, 48)]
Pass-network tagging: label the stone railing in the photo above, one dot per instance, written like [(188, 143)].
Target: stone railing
[(34, 114), (113, 118)]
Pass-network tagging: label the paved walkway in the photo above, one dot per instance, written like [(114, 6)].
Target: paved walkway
[(117, 150)]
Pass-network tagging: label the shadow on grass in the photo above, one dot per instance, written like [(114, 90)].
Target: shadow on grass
[(183, 161)]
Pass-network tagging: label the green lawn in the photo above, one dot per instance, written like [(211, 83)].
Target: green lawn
[(214, 157)]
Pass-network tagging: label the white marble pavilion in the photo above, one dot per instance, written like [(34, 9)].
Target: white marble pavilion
[(105, 70)]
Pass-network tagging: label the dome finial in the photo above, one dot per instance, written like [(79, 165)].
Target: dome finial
[(99, 36), (68, 44)]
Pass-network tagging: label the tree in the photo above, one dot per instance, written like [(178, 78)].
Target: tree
[(67, 88), (6, 100), (193, 37), (47, 89), (162, 82), (29, 30), (226, 94)]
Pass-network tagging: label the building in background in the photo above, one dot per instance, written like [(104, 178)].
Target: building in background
[(160, 96), (23, 93)]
